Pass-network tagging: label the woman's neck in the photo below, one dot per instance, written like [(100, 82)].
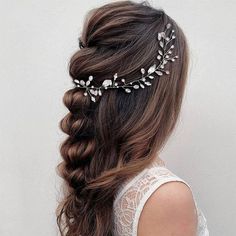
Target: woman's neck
[(157, 162)]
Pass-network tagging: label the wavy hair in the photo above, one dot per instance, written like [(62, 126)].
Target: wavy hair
[(118, 136)]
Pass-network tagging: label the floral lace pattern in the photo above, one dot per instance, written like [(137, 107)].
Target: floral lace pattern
[(133, 194)]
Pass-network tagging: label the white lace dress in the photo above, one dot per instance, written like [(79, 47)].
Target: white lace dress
[(133, 194)]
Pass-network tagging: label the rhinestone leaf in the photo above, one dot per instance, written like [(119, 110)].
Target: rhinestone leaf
[(107, 82), (159, 72), (148, 83), (82, 82), (151, 76), (136, 86), (168, 25), (142, 70), (127, 90), (93, 99), (76, 81), (90, 77), (152, 69), (91, 91), (141, 85), (163, 35)]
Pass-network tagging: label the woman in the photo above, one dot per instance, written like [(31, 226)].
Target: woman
[(129, 78)]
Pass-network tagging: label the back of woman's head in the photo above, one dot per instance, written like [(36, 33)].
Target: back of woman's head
[(121, 133)]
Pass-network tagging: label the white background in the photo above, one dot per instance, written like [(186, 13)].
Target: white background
[(36, 41)]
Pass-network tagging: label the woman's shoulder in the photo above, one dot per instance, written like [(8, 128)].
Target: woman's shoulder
[(170, 197), (169, 209)]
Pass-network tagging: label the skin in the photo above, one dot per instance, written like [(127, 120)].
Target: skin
[(169, 211)]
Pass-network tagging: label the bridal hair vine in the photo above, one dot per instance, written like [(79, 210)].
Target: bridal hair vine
[(166, 44)]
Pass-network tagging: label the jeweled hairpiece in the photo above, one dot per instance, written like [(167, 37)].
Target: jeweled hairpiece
[(166, 44)]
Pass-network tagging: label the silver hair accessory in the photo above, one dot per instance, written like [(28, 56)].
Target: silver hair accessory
[(164, 55)]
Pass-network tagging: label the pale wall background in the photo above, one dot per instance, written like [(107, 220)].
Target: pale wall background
[(36, 40)]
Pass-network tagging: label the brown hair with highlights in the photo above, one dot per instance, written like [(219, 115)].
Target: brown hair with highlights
[(118, 136)]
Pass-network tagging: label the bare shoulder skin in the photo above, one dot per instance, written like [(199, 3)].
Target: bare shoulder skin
[(169, 211)]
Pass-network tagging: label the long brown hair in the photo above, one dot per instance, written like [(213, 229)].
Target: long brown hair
[(119, 135)]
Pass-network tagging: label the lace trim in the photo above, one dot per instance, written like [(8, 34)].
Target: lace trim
[(202, 224), (156, 163), (127, 185)]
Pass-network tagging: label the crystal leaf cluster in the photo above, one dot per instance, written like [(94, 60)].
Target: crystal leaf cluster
[(164, 55)]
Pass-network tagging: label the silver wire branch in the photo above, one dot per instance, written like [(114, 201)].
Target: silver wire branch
[(163, 56)]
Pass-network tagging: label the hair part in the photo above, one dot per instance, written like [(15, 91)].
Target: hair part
[(115, 138)]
